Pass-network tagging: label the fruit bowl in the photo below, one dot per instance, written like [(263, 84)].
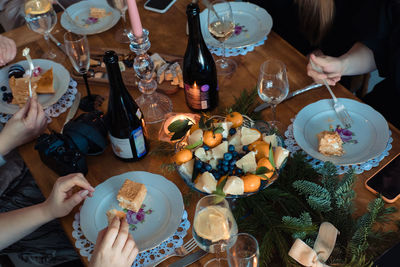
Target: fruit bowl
[(202, 160)]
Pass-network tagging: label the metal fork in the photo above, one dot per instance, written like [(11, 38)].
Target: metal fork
[(341, 111), (183, 250)]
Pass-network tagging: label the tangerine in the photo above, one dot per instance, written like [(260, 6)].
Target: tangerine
[(212, 139), (183, 156), (261, 148), (251, 182), (264, 162), (236, 118)]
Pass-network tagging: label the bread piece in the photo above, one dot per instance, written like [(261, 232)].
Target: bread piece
[(131, 195), (45, 83), (330, 143), (111, 214)]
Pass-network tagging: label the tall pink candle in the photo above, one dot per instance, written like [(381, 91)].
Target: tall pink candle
[(135, 18)]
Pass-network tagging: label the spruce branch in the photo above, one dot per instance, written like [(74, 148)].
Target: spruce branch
[(317, 197)]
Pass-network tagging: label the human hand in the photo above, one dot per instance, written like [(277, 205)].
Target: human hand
[(8, 50), (62, 199), (332, 69), (23, 126), (114, 246)]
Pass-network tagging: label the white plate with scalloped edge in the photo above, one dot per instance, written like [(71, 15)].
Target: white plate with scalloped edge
[(366, 139), (163, 198)]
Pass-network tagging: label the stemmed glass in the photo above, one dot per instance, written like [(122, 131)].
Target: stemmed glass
[(121, 35), (77, 48), (41, 18), (243, 251), (213, 227), (273, 86), (221, 27)]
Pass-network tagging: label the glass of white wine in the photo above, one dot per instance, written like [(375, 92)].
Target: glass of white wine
[(121, 35), (41, 18), (273, 86), (221, 26), (213, 227)]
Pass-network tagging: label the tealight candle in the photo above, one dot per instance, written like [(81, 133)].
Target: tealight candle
[(135, 18), (170, 120)]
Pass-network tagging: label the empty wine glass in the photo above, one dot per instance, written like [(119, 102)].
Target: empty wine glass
[(213, 227), (273, 86), (121, 35), (221, 27), (41, 18), (243, 251), (77, 48)]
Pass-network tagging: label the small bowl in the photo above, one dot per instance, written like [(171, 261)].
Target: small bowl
[(260, 125)]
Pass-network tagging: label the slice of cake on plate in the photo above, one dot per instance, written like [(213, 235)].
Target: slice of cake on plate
[(330, 143), (131, 195)]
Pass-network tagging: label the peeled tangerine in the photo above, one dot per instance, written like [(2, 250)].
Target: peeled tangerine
[(251, 182), (187, 168), (280, 155), (206, 183), (249, 135), (234, 186), (183, 156), (248, 162), (271, 139), (261, 148), (219, 151)]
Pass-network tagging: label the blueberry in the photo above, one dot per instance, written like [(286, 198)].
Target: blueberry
[(227, 156), (225, 163), (206, 148), (231, 168), (219, 166), (220, 161), (224, 139), (235, 154), (207, 167), (232, 131), (198, 164), (232, 162), (3, 88), (239, 171), (231, 148), (217, 175), (245, 148), (225, 169)]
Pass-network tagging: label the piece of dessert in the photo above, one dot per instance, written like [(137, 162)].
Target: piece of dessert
[(97, 12), (45, 83), (111, 214), (330, 144), (131, 195)]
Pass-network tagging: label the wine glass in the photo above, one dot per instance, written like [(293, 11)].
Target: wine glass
[(121, 35), (213, 227), (41, 18), (77, 48), (221, 27), (243, 251), (273, 86)]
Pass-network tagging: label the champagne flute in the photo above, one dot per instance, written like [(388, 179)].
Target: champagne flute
[(243, 251), (41, 18), (213, 227), (273, 86), (77, 48), (121, 35), (221, 27)]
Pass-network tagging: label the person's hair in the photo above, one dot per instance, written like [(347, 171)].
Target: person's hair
[(316, 18)]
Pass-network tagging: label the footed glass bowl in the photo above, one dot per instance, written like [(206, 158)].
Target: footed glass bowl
[(263, 127)]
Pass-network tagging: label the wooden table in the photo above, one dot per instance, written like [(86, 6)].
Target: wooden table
[(167, 35)]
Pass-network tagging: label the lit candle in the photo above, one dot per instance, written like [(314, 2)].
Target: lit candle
[(135, 18)]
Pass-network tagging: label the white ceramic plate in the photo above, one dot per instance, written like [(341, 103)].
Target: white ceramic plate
[(369, 127), (80, 11), (61, 79), (256, 21), (163, 197)]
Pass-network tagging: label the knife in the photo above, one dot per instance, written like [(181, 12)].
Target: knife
[(58, 44), (189, 259), (73, 109), (290, 95)]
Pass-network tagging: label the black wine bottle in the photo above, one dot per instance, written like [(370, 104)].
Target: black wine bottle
[(126, 126), (199, 71)]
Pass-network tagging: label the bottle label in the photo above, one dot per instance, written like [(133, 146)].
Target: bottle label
[(139, 141), (121, 147), (198, 97)]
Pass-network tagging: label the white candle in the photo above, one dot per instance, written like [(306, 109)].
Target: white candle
[(135, 18)]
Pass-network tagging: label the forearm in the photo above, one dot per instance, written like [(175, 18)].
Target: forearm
[(5, 144), (16, 224), (358, 60)]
